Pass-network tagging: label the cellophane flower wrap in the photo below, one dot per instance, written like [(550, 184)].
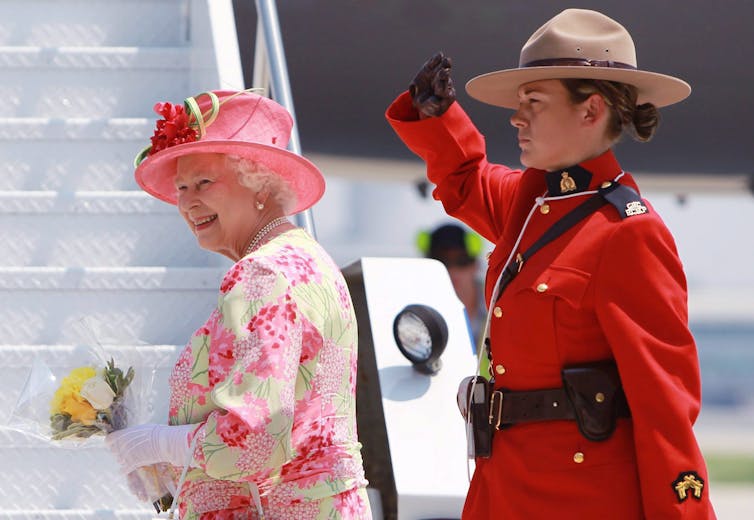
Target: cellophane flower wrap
[(75, 395), (90, 400)]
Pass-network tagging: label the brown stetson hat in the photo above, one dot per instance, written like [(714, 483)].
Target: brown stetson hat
[(578, 43)]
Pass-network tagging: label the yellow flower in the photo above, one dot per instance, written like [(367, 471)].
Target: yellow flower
[(70, 389), (79, 410)]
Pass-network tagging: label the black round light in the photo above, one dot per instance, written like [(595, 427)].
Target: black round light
[(421, 334)]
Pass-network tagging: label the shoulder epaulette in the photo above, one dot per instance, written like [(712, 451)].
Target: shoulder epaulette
[(626, 201)]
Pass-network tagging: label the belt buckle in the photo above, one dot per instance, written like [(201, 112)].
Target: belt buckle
[(496, 400)]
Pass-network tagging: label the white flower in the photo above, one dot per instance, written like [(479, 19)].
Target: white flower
[(98, 393)]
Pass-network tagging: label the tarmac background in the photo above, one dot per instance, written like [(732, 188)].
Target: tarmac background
[(730, 432)]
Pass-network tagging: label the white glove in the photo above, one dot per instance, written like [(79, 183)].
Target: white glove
[(149, 444), (150, 483)]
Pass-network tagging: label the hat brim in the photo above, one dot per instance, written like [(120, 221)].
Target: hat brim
[(500, 88), (156, 174)]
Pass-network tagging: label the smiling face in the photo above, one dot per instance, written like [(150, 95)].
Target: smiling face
[(554, 132), (217, 209)]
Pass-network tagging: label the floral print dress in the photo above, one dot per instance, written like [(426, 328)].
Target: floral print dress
[(271, 379)]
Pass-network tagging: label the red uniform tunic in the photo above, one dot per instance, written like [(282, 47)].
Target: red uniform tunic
[(608, 288)]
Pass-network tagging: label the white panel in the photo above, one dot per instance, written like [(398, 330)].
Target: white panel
[(425, 430)]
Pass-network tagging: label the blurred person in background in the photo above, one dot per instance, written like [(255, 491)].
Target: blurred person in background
[(262, 398), (596, 375), (459, 250)]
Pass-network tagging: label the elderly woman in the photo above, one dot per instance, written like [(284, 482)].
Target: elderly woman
[(262, 402), (596, 376)]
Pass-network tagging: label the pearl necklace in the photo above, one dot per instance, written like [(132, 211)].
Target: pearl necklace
[(262, 232)]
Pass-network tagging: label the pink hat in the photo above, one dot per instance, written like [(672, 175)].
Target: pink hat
[(235, 123)]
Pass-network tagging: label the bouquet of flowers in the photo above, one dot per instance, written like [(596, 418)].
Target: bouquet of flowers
[(90, 401), (74, 395), (81, 398)]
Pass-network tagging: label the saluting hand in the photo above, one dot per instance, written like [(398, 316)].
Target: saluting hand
[(432, 89)]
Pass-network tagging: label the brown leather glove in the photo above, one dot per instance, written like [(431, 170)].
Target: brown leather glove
[(432, 89)]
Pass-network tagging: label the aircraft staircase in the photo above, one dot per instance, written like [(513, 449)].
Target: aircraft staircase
[(86, 256)]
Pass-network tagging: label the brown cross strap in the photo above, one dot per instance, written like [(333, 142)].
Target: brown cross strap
[(567, 221)]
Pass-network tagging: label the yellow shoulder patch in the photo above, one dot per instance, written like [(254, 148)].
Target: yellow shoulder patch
[(688, 484)]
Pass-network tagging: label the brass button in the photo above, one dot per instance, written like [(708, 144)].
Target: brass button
[(500, 369), (578, 457), (497, 311), (542, 287), (600, 397), (544, 209), (606, 184)]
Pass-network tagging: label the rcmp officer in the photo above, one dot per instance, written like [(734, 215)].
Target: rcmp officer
[(596, 381)]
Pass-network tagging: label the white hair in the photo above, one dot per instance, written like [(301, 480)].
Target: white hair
[(257, 176)]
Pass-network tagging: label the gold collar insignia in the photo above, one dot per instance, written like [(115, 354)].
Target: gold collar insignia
[(566, 183)]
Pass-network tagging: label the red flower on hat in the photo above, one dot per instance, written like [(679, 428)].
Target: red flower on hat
[(173, 129)]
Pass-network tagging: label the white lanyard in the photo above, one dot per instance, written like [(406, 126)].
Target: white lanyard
[(174, 503)]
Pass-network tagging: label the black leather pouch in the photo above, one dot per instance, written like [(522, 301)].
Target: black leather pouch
[(597, 397), (474, 403)]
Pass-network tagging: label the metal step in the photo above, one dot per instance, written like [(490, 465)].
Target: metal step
[(80, 514), (41, 476), (84, 22), (71, 154), (158, 305), (96, 229), (90, 82)]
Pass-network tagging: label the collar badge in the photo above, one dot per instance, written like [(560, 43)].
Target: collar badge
[(566, 183)]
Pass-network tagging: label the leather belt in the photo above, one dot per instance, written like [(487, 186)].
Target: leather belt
[(508, 408)]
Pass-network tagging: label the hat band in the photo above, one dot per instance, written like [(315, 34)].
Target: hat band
[(578, 62)]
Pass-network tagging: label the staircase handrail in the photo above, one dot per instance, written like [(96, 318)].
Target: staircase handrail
[(270, 68)]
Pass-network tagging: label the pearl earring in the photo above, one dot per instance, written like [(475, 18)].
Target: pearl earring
[(260, 206)]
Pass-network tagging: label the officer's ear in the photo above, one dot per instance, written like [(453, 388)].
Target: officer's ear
[(595, 110)]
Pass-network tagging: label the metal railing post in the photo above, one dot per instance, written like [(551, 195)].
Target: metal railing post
[(269, 25)]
